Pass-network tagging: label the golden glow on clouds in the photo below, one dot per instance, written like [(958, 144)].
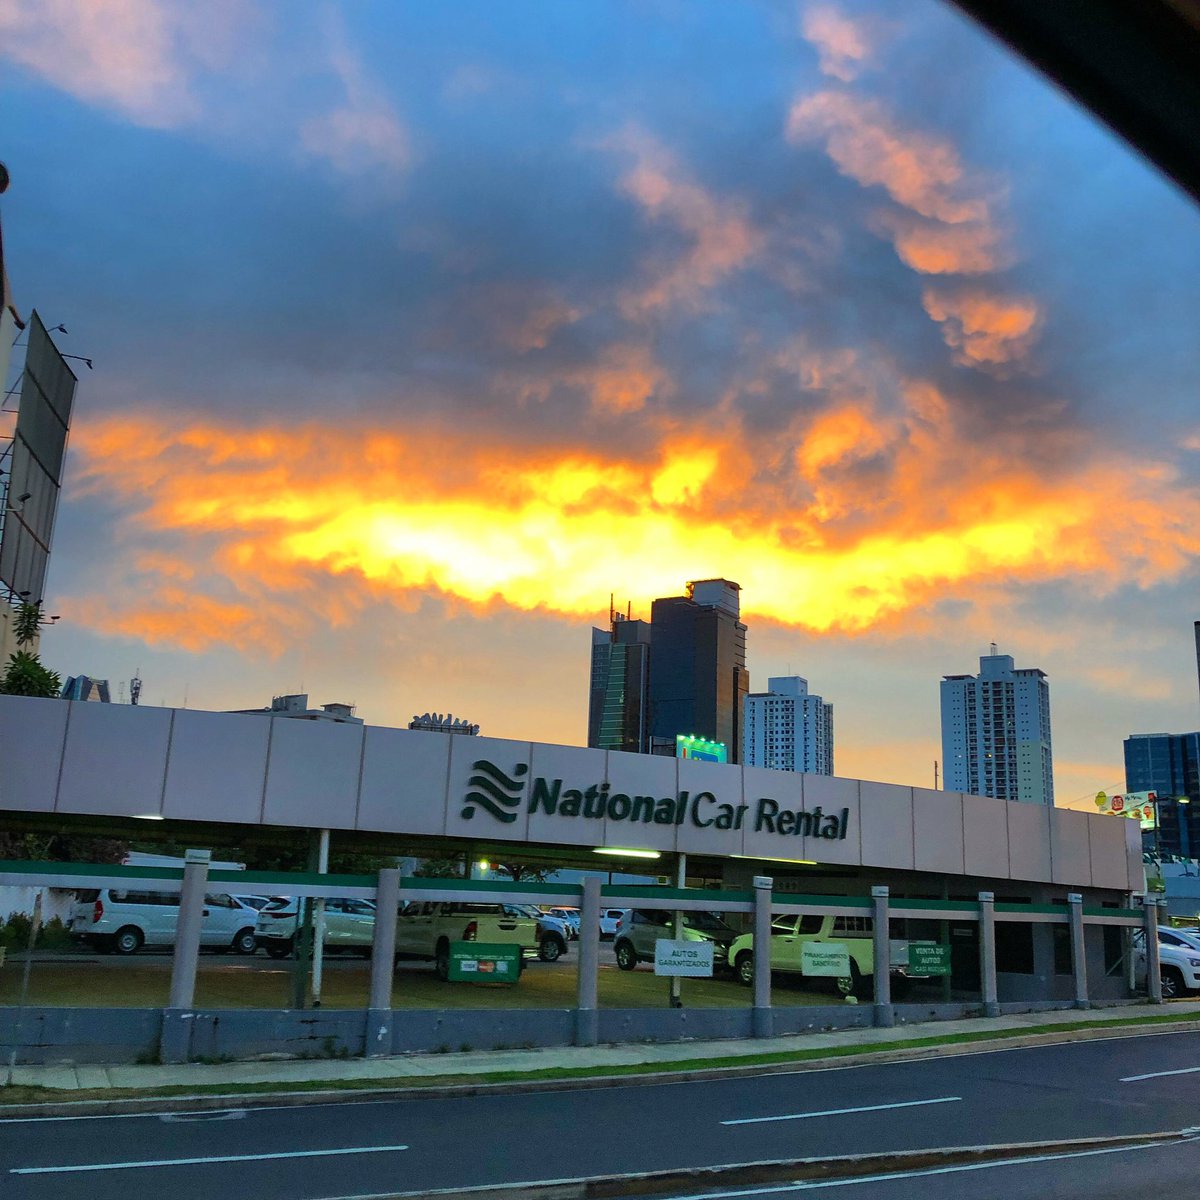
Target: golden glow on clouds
[(250, 537), (983, 328)]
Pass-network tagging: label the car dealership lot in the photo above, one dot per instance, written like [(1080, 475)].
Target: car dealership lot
[(231, 981)]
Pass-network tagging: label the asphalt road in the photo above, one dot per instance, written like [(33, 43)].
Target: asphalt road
[(1084, 1089)]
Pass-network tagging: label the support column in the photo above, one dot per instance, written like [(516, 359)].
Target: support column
[(318, 962), (587, 1018), (762, 1024), (1150, 935), (383, 964), (675, 997), (885, 1014), (987, 954), (175, 1041), (1078, 949)]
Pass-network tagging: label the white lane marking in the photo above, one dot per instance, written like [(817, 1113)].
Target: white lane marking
[(190, 1162), (928, 1171), (195, 1112), (840, 1112), (1160, 1074)]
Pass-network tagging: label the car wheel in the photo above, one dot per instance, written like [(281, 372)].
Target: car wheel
[(1172, 983), (551, 948), (128, 940), (744, 967), (244, 943), (626, 956), (280, 949), (441, 961)]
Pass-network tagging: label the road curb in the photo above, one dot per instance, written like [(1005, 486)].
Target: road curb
[(655, 1183), (657, 1073)]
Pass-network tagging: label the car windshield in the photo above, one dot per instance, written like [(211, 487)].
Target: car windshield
[(707, 921)]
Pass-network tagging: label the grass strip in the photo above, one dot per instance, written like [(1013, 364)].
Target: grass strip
[(27, 1094)]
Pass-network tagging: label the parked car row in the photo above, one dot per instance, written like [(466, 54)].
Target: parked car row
[(734, 952)]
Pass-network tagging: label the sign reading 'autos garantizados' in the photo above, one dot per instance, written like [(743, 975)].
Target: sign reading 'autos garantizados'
[(502, 795)]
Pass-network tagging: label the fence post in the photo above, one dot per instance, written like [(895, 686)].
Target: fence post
[(378, 1039), (1078, 949), (761, 1021), (587, 1019), (175, 1042), (1150, 934), (987, 954), (885, 1014)]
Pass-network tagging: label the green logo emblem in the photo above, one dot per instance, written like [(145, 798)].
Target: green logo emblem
[(495, 791)]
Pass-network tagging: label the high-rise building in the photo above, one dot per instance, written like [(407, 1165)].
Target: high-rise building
[(996, 732), (698, 676), (618, 699), (788, 729), (1168, 764)]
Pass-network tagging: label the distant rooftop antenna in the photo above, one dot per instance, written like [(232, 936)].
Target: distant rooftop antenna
[(135, 686), (993, 645)]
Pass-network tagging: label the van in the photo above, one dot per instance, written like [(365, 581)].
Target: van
[(124, 920)]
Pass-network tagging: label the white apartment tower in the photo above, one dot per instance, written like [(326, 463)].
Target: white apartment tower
[(787, 729), (996, 732)]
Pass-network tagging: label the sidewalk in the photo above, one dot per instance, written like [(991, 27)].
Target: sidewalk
[(447, 1067)]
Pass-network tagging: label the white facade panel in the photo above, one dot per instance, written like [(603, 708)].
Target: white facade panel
[(312, 774), (580, 772), (217, 766), (32, 733), (1028, 841), (887, 825), (113, 766), (644, 775), (724, 784), (403, 787), (1109, 867), (488, 796), (938, 836), (832, 796), (1070, 848), (985, 836)]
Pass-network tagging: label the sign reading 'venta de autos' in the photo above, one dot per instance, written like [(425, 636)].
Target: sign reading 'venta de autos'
[(502, 794)]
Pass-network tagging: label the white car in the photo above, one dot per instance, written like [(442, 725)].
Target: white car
[(554, 934), (610, 918), (349, 925), (1178, 960), (125, 920), (570, 916)]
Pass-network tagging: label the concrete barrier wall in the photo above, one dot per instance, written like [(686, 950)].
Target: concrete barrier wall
[(129, 1035), (81, 1035)]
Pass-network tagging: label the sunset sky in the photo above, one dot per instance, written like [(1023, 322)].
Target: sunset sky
[(420, 328)]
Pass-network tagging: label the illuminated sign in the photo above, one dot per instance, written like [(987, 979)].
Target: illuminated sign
[(687, 745), (1136, 806), (503, 795)]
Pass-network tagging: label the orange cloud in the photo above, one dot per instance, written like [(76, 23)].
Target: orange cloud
[(931, 248), (722, 237), (984, 329), (625, 378), (921, 172), (844, 46), (289, 526)]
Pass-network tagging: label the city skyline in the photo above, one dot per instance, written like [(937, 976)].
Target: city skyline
[(413, 346)]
